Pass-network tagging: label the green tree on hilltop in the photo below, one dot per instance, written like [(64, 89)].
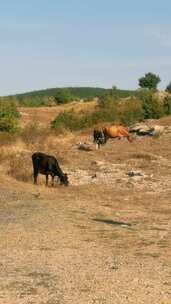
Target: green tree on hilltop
[(149, 81)]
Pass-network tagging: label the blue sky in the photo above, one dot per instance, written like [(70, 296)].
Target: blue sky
[(51, 43)]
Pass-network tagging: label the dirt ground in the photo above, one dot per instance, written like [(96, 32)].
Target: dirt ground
[(105, 239)]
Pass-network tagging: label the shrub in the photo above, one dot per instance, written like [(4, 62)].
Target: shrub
[(8, 117), (66, 119), (151, 105), (108, 100), (63, 96), (33, 133), (131, 111), (8, 109), (37, 101), (167, 105), (19, 171), (8, 124)]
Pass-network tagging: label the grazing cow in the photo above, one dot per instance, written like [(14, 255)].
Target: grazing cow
[(48, 165), (113, 131)]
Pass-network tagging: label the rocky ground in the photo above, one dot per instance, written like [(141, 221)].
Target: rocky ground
[(104, 239)]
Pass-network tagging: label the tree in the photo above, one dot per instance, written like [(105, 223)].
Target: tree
[(149, 81), (168, 88), (63, 96)]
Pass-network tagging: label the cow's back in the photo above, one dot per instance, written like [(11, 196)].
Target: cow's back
[(115, 131), (43, 162)]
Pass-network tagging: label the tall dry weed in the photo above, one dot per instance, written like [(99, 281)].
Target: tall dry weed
[(20, 167)]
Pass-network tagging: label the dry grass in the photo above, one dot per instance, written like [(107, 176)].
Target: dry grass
[(7, 138), (145, 156), (20, 167), (102, 241), (44, 115)]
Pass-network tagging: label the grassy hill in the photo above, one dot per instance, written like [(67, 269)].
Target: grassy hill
[(79, 92), (63, 95)]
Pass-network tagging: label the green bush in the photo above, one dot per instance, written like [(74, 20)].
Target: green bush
[(167, 105), (151, 105), (8, 109), (8, 124), (8, 117), (66, 119), (131, 112), (63, 96), (38, 101)]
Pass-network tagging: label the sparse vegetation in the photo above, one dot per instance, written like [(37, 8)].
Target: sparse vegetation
[(36, 101), (57, 96), (32, 133), (76, 121), (113, 109)]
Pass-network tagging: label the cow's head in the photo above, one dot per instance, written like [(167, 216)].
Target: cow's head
[(64, 179), (98, 137)]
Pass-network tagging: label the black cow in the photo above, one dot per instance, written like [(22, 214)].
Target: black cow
[(48, 165), (98, 137)]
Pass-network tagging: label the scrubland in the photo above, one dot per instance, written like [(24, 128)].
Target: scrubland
[(104, 239)]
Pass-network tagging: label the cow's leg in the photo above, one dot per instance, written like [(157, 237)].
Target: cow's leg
[(35, 170), (35, 177), (52, 180), (119, 136), (47, 179)]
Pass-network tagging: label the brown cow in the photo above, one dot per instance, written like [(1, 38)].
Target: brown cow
[(112, 131)]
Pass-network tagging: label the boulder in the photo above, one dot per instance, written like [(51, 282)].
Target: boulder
[(84, 147), (143, 129)]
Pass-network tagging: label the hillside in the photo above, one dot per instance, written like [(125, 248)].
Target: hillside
[(79, 92), (63, 95), (44, 115)]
